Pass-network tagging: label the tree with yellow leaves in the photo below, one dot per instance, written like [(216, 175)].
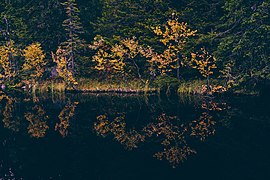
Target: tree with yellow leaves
[(34, 62), (164, 62), (134, 50), (62, 67), (111, 60), (174, 36), (205, 63), (7, 53)]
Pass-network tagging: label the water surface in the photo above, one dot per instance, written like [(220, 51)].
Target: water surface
[(89, 136)]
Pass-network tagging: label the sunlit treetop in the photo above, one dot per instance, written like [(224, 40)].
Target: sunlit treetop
[(174, 33), (34, 63)]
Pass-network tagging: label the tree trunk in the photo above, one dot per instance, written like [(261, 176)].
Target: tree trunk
[(178, 65), (72, 63)]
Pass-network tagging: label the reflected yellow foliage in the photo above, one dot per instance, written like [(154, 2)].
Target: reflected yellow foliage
[(9, 119), (211, 105), (37, 119), (65, 116), (130, 139), (203, 127), (171, 136), (174, 154)]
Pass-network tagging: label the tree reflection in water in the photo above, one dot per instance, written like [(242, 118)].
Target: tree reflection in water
[(10, 120), (37, 122), (65, 116), (130, 139), (173, 137)]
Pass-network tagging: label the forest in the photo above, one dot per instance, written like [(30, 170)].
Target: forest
[(134, 89), (187, 46)]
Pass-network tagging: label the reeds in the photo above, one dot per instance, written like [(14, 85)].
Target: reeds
[(134, 86), (191, 87)]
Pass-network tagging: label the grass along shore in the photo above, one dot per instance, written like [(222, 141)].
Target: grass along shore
[(94, 86), (136, 86)]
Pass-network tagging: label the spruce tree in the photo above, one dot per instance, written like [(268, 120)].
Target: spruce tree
[(244, 40), (13, 26), (73, 28), (44, 19), (128, 18)]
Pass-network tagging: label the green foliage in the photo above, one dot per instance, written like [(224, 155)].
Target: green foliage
[(166, 83), (44, 20), (245, 40), (12, 23), (128, 18), (191, 87), (73, 28), (236, 32)]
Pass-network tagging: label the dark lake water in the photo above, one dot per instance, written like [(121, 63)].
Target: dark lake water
[(126, 137)]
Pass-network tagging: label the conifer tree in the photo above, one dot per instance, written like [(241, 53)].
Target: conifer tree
[(128, 18), (244, 41), (73, 28), (12, 23)]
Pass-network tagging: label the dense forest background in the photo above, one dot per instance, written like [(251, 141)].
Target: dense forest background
[(235, 32)]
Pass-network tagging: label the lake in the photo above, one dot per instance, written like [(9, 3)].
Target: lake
[(123, 137)]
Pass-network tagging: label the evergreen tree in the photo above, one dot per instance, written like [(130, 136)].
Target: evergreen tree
[(12, 23), (128, 18), (89, 12), (244, 40), (34, 21), (73, 28), (12, 27), (44, 20)]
